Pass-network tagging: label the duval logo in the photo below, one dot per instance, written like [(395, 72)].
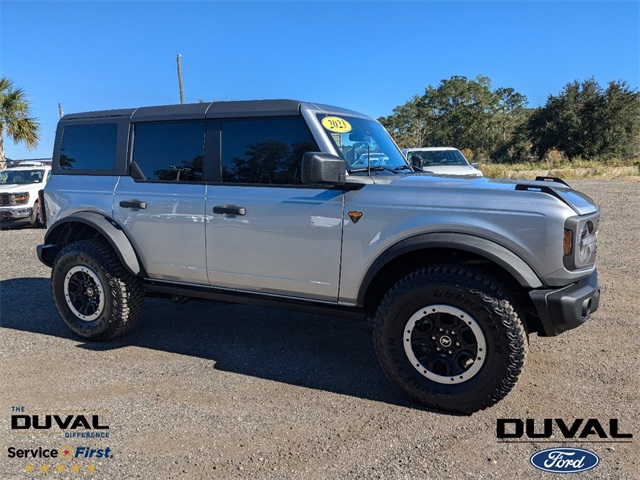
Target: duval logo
[(47, 422), (515, 428), (564, 460)]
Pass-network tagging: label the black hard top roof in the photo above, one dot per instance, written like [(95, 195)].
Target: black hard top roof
[(250, 108)]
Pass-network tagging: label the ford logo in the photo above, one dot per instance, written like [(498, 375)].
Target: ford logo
[(564, 460)]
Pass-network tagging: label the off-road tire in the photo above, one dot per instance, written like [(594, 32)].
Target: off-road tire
[(115, 295), (478, 297)]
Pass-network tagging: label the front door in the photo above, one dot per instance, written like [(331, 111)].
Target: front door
[(275, 240), (266, 232)]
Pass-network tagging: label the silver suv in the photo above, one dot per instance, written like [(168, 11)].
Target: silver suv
[(314, 208)]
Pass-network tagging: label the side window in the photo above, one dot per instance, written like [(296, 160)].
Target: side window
[(170, 151), (89, 147), (265, 151)]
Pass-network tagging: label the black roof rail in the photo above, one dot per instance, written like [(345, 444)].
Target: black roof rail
[(551, 179)]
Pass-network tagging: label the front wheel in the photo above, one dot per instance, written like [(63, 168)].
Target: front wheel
[(96, 296), (450, 338)]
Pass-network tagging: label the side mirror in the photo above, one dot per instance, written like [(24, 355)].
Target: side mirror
[(416, 161), (323, 168), (474, 164)]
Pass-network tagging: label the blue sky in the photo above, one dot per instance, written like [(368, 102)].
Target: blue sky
[(366, 55)]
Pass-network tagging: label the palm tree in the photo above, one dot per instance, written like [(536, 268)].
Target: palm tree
[(14, 118)]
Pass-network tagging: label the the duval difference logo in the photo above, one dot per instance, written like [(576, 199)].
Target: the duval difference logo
[(71, 425), (557, 430)]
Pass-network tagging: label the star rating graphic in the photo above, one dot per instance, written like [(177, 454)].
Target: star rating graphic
[(60, 468)]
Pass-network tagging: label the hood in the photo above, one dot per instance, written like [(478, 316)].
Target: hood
[(17, 187), (453, 170), (582, 204)]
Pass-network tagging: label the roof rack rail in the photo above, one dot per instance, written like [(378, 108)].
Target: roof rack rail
[(542, 178)]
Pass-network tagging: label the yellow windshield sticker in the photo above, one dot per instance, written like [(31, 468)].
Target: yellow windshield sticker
[(336, 124)]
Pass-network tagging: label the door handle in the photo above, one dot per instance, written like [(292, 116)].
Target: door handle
[(230, 210), (133, 204)]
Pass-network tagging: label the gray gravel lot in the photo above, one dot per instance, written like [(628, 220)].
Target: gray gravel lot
[(207, 390)]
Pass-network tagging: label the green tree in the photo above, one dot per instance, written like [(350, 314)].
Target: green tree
[(620, 121), (462, 112), (584, 120), (467, 114), (408, 124), (15, 119), (511, 111)]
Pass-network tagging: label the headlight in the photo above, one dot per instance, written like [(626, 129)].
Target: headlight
[(587, 243), (580, 241), (15, 198)]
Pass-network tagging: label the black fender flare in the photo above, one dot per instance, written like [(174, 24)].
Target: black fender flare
[(487, 249), (109, 229)]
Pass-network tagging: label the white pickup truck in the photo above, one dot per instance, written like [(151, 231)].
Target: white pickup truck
[(19, 189)]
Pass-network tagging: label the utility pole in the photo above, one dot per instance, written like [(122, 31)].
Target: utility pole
[(60, 110), (180, 79)]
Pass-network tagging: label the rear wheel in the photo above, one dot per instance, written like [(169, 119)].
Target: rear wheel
[(96, 296), (450, 338)]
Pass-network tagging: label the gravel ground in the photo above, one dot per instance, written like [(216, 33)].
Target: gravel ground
[(207, 390)]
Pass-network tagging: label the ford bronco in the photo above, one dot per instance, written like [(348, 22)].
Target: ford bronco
[(312, 207)]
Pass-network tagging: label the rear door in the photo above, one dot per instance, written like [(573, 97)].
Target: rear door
[(162, 209), (266, 231)]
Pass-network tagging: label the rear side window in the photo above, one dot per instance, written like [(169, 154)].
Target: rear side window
[(265, 151), (170, 151), (89, 147)]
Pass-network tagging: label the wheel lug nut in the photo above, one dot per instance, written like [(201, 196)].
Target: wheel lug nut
[(437, 349), (457, 344), (450, 352), (440, 330), (433, 338)]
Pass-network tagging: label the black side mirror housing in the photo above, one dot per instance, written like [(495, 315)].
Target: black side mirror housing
[(416, 161), (320, 167)]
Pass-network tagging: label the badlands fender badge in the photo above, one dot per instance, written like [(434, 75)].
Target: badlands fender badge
[(355, 216), (564, 460)]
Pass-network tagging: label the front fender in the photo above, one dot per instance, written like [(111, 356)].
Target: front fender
[(487, 249)]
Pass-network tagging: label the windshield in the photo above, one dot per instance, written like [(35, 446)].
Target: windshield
[(21, 176), (363, 144), (432, 158)]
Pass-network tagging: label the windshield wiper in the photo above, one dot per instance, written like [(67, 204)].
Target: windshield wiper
[(404, 167), (377, 168)]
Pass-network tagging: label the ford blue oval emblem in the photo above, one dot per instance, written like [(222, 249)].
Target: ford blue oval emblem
[(564, 460)]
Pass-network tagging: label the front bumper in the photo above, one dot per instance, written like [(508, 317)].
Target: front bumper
[(568, 307), (15, 213)]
